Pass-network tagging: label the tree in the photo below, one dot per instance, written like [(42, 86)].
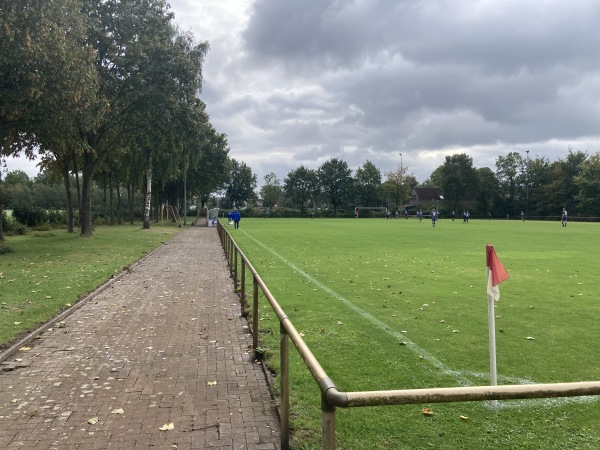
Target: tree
[(368, 184), (538, 176), (301, 185), (488, 190), (335, 179), (458, 177), (396, 186), (508, 169), (150, 76), (210, 165), (47, 79), (271, 192), (588, 184), (561, 189), (241, 185)]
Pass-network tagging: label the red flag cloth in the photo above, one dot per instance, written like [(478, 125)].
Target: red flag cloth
[(496, 272)]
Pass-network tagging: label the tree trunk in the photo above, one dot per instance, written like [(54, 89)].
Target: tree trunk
[(130, 192), (70, 219), (146, 224), (119, 220), (1, 209), (104, 207), (89, 161), (110, 198), (77, 185)]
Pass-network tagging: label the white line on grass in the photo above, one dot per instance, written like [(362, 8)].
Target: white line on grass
[(460, 379), (400, 336)]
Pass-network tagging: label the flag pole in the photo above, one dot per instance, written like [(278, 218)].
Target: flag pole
[(492, 339)]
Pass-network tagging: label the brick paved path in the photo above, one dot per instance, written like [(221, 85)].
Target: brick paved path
[(163, 344)]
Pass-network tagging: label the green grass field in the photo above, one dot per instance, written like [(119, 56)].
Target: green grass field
[(50, 270), (358, 289)]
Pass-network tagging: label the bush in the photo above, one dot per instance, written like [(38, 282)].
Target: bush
[(57, 217), (17, 229), (5, 223), (5, 249), (32, 216)]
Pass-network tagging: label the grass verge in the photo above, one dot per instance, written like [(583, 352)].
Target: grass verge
[(47, 272)]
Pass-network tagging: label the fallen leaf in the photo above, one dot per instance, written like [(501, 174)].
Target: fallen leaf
[(118, 411), (211, 383), (93, 421), (167, 426), (17, 323), (463, 417), (25, 349), (529, 338), (427, 412)]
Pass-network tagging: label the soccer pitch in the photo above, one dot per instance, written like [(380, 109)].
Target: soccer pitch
[(398, 304)]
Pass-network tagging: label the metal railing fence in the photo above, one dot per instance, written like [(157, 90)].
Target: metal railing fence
[(331, 397)]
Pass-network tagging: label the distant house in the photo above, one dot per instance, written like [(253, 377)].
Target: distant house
[(426, 198)]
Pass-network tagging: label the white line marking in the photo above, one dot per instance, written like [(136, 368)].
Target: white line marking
[(458, 376), (462, 381)]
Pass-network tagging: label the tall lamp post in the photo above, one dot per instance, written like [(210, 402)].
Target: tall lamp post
[(401, 179), (527, 187)]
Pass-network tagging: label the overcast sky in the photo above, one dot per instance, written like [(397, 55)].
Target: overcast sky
[(299, 82)]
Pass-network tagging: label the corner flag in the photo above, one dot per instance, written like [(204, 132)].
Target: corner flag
[(496, 272)]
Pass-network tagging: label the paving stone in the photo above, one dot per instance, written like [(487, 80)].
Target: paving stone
[(149, 344)]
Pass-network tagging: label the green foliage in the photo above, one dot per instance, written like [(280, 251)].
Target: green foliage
[(301, 185), (458, 178), (368, 184), (242, 184), (5, 249), (271, 192), (56, 217), (355, 297), (335, 180), (588, 184), (32, 216)]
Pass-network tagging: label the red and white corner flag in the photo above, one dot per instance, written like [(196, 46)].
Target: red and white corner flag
[(496, 272)]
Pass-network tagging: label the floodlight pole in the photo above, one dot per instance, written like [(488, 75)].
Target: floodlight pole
[(527, 187), (401, 180)]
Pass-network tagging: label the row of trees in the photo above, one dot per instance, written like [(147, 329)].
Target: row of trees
[(536, 186), (330, 185), (105, 92)]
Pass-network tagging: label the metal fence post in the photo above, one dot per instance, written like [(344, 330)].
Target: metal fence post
[(243, 289), (328, 424), (230, 256), (284, 386), (235, 269), (255, 315)]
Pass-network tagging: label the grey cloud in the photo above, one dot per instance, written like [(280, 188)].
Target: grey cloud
[(306, 81)]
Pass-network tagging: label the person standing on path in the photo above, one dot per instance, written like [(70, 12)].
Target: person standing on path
[(236, 218)]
